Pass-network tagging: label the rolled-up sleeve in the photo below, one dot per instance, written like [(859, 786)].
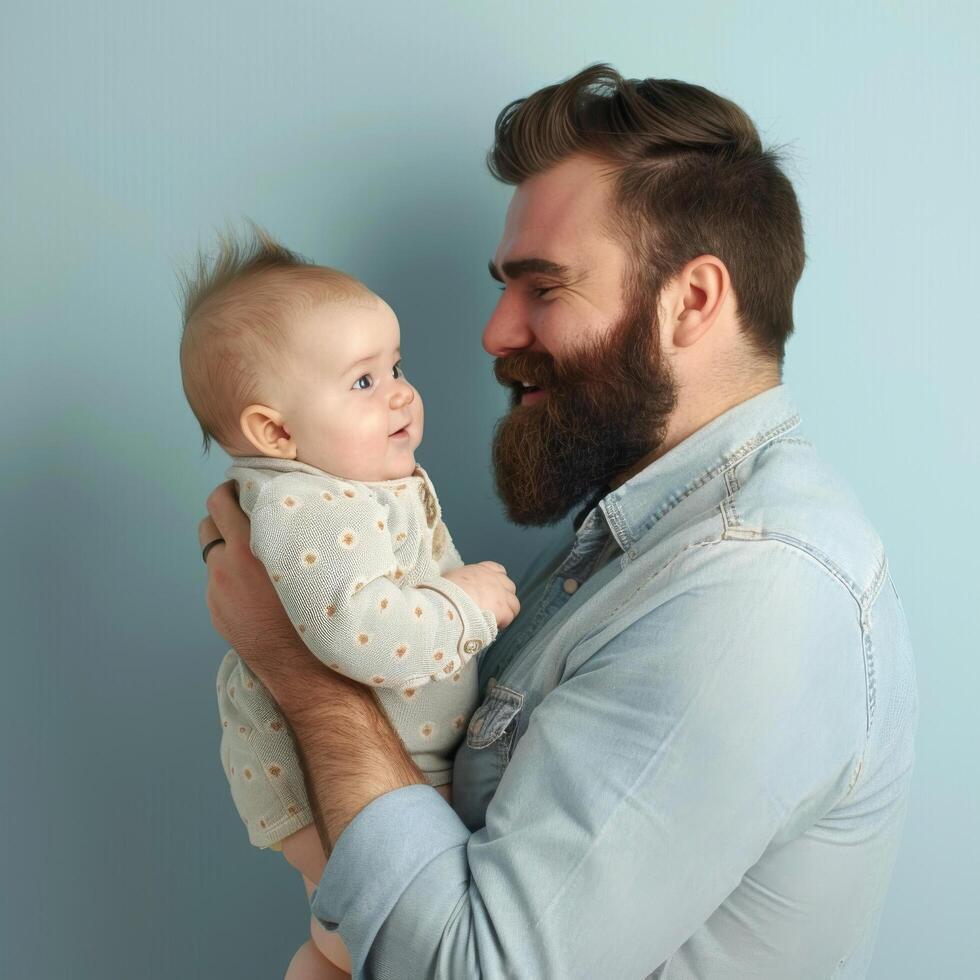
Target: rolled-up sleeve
[(646, 784), (381, 852)]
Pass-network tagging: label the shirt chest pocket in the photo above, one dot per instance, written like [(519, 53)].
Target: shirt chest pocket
[(494, 724)]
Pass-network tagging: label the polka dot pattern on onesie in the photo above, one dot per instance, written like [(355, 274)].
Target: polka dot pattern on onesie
[(337, 552)]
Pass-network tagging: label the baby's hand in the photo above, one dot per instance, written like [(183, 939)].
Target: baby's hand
[(486, 583)]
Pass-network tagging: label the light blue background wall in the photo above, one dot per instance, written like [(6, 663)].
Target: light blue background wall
[(129, 130)]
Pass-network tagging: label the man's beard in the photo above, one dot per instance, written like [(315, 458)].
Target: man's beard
[(605, 407)]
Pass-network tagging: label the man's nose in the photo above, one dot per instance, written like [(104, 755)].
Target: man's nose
[(507, 331)]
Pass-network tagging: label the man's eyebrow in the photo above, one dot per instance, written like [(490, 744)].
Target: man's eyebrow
[(366, 360), (523, 267)]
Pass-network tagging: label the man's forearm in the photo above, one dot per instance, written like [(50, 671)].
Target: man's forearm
[(349, 751)]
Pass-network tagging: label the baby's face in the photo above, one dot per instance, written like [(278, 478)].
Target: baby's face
[(349, 408)]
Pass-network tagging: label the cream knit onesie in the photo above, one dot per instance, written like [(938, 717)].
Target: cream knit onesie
[(358, 568)]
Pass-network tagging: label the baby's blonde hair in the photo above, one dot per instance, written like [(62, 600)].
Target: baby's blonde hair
[(237, 311)]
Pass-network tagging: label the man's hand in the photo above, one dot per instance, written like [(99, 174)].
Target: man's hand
[(487, 584)]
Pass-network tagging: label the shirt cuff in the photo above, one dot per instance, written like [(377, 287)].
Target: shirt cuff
[(375, 859)]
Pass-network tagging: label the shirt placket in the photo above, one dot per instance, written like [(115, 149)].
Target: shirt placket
[(564, 582)]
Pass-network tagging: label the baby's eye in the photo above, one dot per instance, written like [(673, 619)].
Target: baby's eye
[(357, 384), (398, 371)]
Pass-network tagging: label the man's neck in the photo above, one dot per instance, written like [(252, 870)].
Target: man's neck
[(688, 418)]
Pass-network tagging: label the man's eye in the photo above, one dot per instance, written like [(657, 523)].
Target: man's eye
[(538, 291), (357, 384)]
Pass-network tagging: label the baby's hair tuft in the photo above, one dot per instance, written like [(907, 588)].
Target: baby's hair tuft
[(239, 306)]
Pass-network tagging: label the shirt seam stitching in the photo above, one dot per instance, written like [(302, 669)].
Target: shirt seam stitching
[(862, 600), (751, 445)]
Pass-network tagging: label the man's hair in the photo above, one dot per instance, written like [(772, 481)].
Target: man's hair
[(237, 311), (691, 178)]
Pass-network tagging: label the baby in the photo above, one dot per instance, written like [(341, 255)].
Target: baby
[(294, 369)]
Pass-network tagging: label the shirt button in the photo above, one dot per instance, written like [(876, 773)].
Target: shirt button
[(570, 585)]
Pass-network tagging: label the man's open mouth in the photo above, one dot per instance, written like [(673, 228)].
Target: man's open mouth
[(527, 393)]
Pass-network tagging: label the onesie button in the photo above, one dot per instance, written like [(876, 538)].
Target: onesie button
[(472, 646), (569, 585)]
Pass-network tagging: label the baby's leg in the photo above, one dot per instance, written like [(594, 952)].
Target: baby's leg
[(259, 757), (308, 963), (329, 944), (304, 852)]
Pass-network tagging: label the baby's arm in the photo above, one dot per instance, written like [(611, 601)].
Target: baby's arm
[(335, 566)]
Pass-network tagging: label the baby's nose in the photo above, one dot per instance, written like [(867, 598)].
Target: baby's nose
[(402, 395)]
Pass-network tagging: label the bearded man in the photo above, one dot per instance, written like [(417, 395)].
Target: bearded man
[(693, 754)]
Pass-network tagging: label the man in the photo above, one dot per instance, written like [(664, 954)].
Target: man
[(693, 754)]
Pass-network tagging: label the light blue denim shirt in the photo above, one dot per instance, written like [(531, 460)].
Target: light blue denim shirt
[(693, 752)]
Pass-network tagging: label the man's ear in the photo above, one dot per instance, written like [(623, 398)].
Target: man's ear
[(701, 288), (265, 429)]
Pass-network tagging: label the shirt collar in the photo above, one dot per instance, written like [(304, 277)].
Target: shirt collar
[(633, 508)]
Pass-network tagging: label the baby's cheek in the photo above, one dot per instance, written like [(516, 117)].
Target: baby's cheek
[(365, 436), (343, 444)]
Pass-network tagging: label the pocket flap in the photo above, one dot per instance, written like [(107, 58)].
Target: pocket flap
[(490, 720)]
